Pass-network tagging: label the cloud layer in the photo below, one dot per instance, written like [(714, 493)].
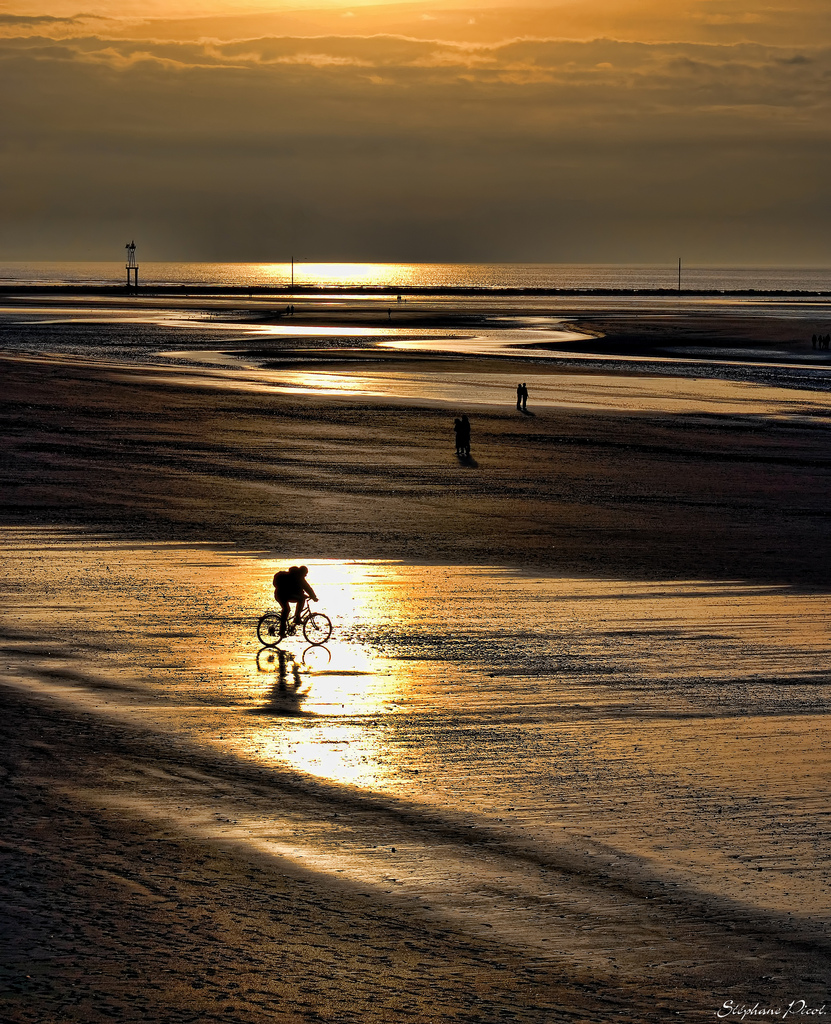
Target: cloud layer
[(416, 146)]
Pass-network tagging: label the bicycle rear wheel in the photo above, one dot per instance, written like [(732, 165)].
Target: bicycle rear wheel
[(317, 627), (268, 629)]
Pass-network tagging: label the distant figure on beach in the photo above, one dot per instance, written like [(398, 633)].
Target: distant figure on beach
[(291, 587), (462, 430), (457, 430), (524, 395), (519, 396)]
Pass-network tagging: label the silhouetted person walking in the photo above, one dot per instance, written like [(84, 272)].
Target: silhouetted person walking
[(519, 396), (463, 438), (524, 396), (457, 430)]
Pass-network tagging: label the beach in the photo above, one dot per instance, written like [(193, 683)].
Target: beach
[(566, 755)]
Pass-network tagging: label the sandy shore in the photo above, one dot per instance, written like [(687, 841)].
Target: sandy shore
[(127, 913), (122, 904), (111, 917), (575, 491)]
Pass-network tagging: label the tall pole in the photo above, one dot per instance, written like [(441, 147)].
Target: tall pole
[(292, 273), (679, 275)]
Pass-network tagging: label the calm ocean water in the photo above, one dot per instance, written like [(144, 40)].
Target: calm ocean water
[(427, 275)]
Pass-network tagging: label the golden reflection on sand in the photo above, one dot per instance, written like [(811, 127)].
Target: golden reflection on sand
[(564, 390), (619, 392), (679, 723), (341, 681)]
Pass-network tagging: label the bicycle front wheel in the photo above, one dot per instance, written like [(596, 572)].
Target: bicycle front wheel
[(268, 629), (317, 627)]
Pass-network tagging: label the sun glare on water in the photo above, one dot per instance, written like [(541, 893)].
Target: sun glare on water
[(321, 275)]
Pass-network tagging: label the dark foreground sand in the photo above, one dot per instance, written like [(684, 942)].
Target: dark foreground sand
[(112, 916), (109, 917)]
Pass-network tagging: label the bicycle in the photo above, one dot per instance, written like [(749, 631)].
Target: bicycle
[(316, 628)]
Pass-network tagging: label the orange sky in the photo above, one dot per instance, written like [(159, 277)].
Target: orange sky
[(562, 131)]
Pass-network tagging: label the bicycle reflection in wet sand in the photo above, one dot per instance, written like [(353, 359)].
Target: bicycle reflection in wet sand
[(292, 685)]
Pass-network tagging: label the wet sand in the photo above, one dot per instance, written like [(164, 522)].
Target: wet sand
[(707, 492), (637, 644), (653, 836)]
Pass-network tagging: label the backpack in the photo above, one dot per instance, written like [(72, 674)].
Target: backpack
[(286, 586)]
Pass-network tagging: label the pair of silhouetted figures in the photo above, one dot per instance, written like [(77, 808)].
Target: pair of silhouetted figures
[(461, 428), (821, 341), (461, 425)]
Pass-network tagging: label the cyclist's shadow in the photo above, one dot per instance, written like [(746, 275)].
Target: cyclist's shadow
[(290, 688)]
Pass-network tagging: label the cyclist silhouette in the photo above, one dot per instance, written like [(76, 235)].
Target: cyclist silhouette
[(291, 587)]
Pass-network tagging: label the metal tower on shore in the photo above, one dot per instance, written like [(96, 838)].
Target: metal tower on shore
[(132, 266)]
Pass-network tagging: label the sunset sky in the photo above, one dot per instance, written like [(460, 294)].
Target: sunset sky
[(435, 130)]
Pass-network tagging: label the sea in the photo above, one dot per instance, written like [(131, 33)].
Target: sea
[(562, 276)]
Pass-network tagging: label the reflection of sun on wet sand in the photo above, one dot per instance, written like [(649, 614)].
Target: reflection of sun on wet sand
[(555, 710), (567, 754)]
